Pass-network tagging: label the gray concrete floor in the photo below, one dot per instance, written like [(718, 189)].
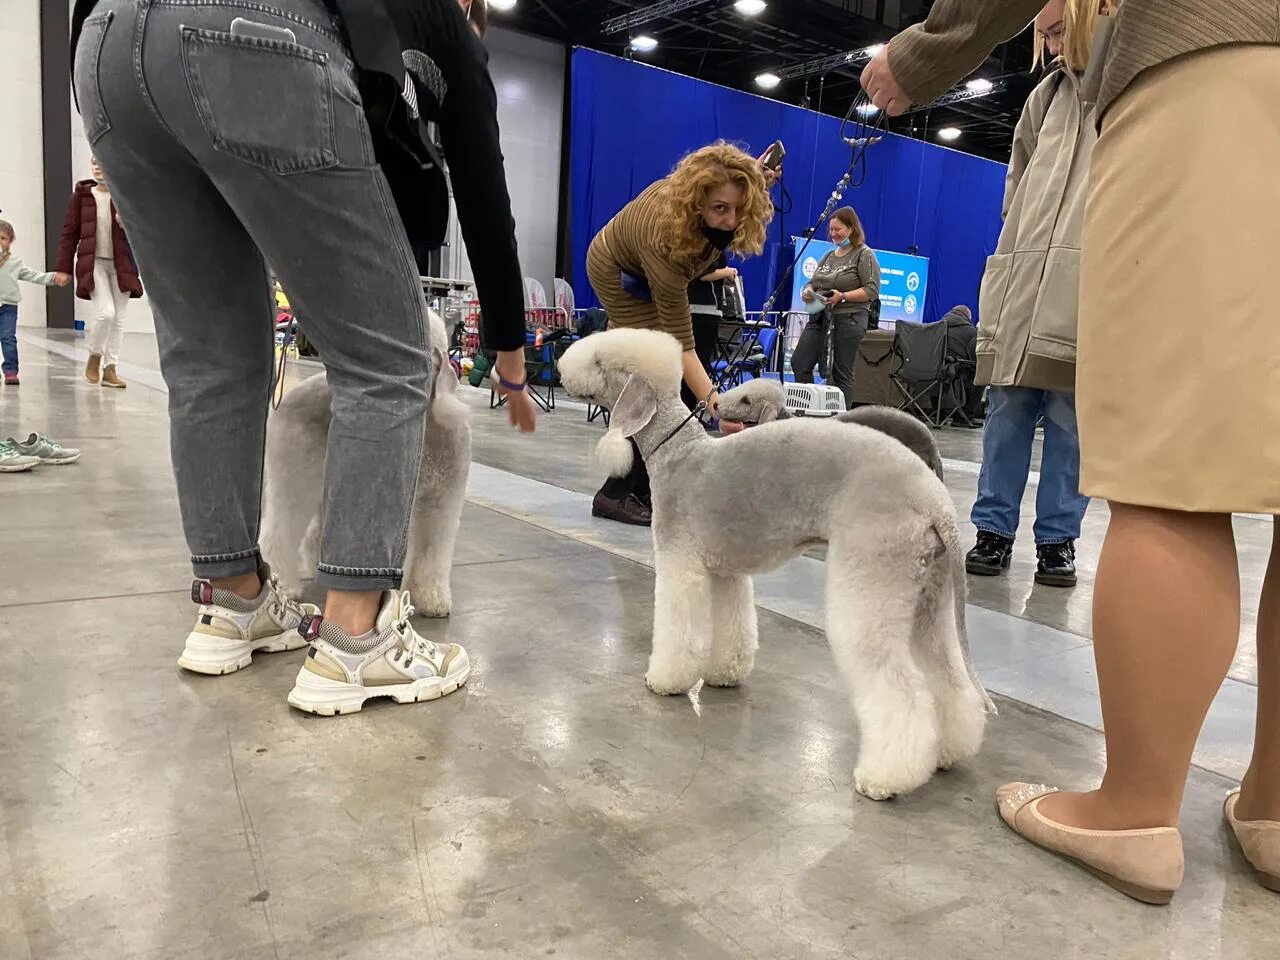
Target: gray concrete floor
[(553, 808)]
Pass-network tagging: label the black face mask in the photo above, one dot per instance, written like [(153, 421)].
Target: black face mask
[(720, 238)]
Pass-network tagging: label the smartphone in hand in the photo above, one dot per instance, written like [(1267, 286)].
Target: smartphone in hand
[(773, 156)]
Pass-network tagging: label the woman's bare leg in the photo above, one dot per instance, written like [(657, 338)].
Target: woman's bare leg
[(1166, 620), (1260, 797)]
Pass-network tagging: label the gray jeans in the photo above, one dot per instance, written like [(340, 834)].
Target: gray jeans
[(226, 152)]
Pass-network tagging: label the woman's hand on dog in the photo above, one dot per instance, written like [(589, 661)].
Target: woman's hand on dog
[(520, 409), (728, 427)]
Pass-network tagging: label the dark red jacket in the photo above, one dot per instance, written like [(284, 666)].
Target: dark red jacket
[(80, 240)]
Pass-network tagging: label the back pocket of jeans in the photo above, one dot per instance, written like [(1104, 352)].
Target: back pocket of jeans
[(266, 102), (87, 66)]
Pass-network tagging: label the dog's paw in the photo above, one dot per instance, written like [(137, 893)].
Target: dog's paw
[(668, 686), (726, 682), (431, 602), (873, 789)]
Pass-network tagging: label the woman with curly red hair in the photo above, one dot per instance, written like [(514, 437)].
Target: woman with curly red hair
[(641, 264)]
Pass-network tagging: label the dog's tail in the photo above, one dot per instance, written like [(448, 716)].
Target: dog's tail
[(959, 584)]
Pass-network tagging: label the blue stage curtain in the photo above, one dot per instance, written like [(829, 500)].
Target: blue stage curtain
[(630, 123)]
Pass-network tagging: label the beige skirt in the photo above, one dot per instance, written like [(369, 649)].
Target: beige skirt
[(1178, 377)]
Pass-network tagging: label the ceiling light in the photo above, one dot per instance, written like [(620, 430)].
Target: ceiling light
[(949, 133), (502, 5), (750, 8), (868, 109), (874, 49), (644, 43), (767, 81), (979, 85)]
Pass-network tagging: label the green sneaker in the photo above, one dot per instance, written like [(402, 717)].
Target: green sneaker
[(12, 460), (45, 449)]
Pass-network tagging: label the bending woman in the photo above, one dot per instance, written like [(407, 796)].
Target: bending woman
[(848, 279), (641, 264)]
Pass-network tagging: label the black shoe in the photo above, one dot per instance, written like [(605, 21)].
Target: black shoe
[(628, 510), (990, 556), (1057, 566)]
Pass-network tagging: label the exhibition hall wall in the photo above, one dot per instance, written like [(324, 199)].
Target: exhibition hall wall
[(529, 75), (21, 143), (630, 123)]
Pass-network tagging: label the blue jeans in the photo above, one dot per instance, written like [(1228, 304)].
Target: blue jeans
[(9, 336), (1006, 460)]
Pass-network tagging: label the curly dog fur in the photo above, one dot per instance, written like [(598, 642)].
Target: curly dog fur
[(297, 435), (763, 401), (895, 570)]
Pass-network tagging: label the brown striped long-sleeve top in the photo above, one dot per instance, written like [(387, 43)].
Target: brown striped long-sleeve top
[(632, 239), (958, 35)]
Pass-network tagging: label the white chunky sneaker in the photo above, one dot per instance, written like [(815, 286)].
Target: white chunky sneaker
[(229, 630), (341, 672)]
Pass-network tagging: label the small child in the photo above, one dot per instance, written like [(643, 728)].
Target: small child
[(11, 271)]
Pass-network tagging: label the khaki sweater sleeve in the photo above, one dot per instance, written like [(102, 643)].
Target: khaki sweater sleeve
[(928, 58)]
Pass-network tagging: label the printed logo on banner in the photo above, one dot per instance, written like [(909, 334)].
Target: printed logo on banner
[(909, 304), (809, 267), (913, 281)]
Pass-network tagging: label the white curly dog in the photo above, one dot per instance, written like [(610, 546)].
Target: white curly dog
[(895, 568), (292, 515)]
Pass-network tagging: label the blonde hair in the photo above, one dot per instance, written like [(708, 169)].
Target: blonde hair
[(849, 217), (7, 227), (1079, 19), (687, 187)]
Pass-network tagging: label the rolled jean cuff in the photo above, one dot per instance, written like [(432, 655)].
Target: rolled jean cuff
[(225, 565), (987, 528), (357, 579)]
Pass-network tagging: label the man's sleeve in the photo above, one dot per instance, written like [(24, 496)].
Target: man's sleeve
[(928, 58), (469, 131)]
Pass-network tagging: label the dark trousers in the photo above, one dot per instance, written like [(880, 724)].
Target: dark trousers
[(846, 332), (706, 338), (706, 334), (634, 484)]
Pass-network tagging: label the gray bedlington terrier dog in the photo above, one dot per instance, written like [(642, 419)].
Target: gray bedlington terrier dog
[(895, 567), (763, 400), (297, 435)]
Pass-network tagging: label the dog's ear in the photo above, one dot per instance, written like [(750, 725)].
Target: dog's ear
[(769, 412), (636, 404), (632, 410)]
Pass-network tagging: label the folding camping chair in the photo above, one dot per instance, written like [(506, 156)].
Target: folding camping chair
[(929, 375)]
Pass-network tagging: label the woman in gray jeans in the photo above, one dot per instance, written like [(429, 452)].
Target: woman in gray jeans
[(234, 134), (848, 280)]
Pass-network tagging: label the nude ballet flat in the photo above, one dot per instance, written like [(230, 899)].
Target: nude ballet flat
[(1260, 842), (1144, 864)]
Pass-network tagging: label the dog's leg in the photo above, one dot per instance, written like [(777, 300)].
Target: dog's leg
[(290, 536), (733, 631), (961, 713), (437, 508), (681, 628), (436, 518), (872, 599)]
